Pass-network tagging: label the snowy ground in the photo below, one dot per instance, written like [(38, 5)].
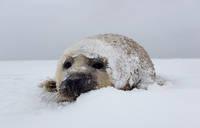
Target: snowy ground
[(175, 105)]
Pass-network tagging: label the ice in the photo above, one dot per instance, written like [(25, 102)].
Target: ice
[(174, 105)]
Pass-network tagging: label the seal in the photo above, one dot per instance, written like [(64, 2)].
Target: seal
[(100, 61)]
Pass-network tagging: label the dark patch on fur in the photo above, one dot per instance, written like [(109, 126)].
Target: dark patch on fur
[(76, 84)]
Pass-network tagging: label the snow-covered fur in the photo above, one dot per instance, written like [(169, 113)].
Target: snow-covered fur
[(129, 65)]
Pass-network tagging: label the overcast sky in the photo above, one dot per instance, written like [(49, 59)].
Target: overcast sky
[(42, 29)]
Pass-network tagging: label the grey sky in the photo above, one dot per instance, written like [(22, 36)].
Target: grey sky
[(42, 29)]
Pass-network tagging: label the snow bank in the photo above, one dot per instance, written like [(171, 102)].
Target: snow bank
[(174, 105)]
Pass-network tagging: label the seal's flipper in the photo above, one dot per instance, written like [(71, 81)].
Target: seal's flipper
[(49, 85)]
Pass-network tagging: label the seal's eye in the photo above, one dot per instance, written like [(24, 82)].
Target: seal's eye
[(67, 64), (98, 65)]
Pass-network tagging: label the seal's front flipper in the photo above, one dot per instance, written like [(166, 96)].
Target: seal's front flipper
[(49, 85), (160, 80)]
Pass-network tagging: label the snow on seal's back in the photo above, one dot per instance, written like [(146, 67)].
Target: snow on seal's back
[(128, 62)]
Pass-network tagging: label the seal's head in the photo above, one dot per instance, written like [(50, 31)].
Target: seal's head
[(100, 61), (80, 74)]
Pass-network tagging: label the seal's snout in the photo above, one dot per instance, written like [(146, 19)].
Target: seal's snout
[(76, 84)]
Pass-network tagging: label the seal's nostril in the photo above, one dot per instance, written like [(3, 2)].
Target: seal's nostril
[(69, 82), (74, 82), (77, 81)]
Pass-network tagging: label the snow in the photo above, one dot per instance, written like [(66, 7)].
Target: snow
[(174, 105)]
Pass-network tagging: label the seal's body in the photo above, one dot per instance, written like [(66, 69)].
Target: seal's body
[(100, 61)]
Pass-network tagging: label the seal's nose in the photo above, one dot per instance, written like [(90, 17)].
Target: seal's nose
[(76, 84)]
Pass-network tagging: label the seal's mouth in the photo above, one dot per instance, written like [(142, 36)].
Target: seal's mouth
[(75, 85)]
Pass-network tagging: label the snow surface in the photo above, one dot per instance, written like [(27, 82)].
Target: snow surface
[(174, 105)]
